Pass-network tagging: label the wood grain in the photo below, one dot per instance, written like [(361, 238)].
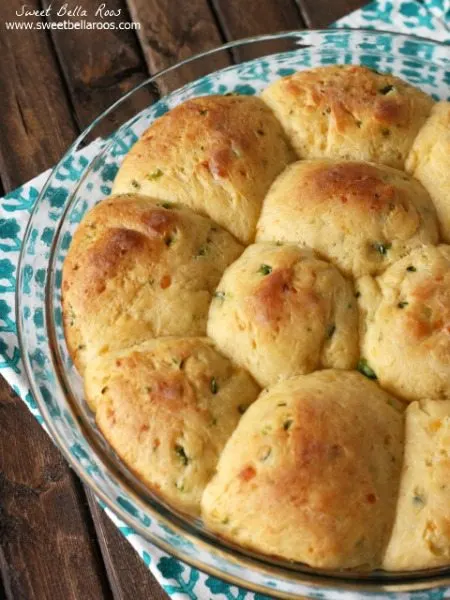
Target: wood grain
[(47, 543), (321, 13), (100, 66), (126, 570), (245, 19), (172, 33), (36, 122)]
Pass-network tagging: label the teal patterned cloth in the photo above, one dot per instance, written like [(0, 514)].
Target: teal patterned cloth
[(428, 18)]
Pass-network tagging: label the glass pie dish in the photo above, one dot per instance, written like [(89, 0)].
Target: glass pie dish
[(84, 177)]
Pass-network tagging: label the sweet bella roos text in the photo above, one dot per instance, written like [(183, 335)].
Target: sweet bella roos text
[(67, 11)]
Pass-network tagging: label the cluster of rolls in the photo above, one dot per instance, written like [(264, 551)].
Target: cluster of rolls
[(261, 314)]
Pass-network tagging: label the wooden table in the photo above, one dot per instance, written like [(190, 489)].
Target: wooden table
[(55, 542)]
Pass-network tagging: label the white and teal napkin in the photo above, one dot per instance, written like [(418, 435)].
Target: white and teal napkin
[(426, 18)]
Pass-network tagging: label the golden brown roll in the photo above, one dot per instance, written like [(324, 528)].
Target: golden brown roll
[(405, 325), (216, 154), (361, 216), (421, 534), (280, 311), (311, 472), (167, 408), (138, 269), (429, 161), (349, 112)]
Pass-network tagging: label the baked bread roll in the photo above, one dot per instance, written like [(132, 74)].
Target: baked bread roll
[(312, 469), (361, 216), (280, 311), (138, 269), (405, 325), (311, 473), (421, 534), (167, 408), (429, 161), (216, 154), (349, 112)]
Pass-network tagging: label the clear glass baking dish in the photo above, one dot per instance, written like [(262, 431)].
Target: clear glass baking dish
[(81, 179)]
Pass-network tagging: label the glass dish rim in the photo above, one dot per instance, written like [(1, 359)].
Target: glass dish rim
[(400, 583)]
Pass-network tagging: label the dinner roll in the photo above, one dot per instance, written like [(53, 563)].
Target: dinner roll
[(216, 154), (405, 325), (429, 161), (311, 472), (360, 215), (167, 407), (280, 311), (350, 112), (421, 534), (138, 269)]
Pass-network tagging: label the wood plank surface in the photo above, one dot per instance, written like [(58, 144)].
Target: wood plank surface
[(321, 13), (32, 102), (171, 33), (99, 66), (47, 541), (246, 19), (127, 573)]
